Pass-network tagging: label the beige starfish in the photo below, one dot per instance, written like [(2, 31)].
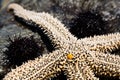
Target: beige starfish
[(78, 59)]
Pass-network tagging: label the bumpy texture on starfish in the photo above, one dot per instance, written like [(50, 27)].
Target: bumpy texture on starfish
[(78, 59)]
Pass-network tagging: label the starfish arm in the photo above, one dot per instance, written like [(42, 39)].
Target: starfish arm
[(104, 43), (59, 26), (105, 64), (79, 70), (50, 19), (33, 18), (41, 68)]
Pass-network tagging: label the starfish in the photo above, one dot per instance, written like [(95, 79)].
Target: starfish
[(79, 59)]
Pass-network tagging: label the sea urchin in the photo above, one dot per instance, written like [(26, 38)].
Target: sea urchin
[(21, 49), (87, 24)]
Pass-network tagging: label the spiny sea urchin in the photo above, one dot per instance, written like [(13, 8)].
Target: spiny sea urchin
[(21, 49), (87, 24)]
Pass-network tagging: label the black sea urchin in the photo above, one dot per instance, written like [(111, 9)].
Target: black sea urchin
[(88, 24), (21, 49)]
